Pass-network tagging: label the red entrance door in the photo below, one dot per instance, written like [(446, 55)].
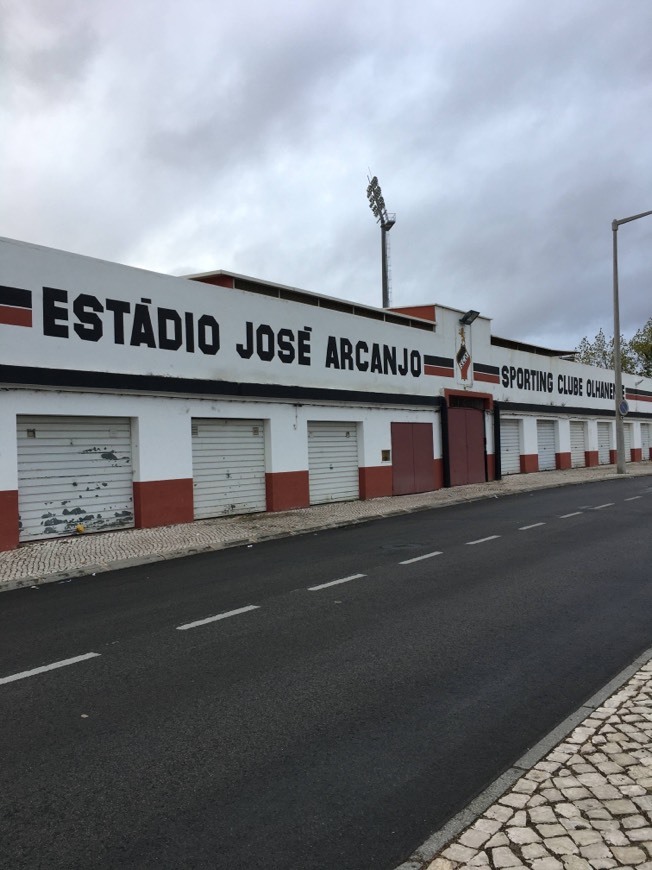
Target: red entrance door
[(466, 448), (413, 467)]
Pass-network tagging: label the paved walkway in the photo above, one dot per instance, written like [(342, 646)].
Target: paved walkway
[(586, 805), (61, 558)]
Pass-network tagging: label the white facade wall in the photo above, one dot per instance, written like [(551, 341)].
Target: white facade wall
[(161, 427), (563, 442)]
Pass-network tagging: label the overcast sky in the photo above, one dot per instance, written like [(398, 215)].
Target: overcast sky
[(189, 136)]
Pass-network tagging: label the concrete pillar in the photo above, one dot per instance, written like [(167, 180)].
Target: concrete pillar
[(162, 444)]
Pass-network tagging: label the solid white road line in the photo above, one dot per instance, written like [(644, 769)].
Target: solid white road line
[(633, 497), (219, 616), (482, 540), (600, 506), (533, 526), (574, 514), (335, 582), (62, 664), (419, 558)]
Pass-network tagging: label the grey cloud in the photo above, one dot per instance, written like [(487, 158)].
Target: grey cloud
[(506, 137), (48, 47)]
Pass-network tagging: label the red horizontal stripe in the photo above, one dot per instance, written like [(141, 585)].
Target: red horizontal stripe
[(15, 316), (437, 370), (637, 398), (490, 379)]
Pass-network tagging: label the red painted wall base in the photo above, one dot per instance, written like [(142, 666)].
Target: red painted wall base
[(637, 454), (591, 458), (563, 460), (613, 456), (529, 462), (491, 466), (9, 519), (287, 490), (375, 481), (162, 502)]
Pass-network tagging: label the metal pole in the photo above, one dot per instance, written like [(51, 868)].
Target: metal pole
[(383, 238), (620, 431)]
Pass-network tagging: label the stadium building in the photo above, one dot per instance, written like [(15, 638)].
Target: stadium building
[(135, 399)]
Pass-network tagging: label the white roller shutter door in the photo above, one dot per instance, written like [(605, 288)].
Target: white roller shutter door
[(646, 439), (73, 471), (510, 447), (228, 467), (578, 457), (333, 462), (604, 443), (546, 445), (627, 429)]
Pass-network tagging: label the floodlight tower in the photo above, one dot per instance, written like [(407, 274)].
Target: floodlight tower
[(387, 221)]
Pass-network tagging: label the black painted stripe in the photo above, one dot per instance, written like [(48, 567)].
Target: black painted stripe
[(442, 361), (487, 370), (16, 297), (633, 391), (564, 411), (24, 375)]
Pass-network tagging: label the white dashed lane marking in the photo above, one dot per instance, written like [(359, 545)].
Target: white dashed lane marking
[(482, 540), (574, 514), (600, 506), (61, 664), (419, 558), (335, 582), (533, 526), (633, 497), (219, 616)]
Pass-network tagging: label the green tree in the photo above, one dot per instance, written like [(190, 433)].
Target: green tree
[(600, 351), (641, 348)]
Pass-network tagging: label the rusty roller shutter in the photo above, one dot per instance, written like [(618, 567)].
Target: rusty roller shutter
[(578, 445), (646, 439), (627, 431), (604, 443), (510, 447), (333, 462), (73, 471), (546, 445), (228, 467)]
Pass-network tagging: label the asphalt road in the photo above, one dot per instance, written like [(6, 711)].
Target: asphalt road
[(328, 728)]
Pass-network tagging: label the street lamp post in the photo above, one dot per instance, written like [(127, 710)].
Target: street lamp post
[(387, 221), (620, 432)]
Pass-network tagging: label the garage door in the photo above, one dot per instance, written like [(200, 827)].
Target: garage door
[(466, 447), (413, 467), (510, 447), (333, 462), (73, 471), (627, 430), (578, 457), (228, 467), (646, 439), (546, 445), (604, 443)]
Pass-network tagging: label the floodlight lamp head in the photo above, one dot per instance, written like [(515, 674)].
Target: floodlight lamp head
[(468, 318)]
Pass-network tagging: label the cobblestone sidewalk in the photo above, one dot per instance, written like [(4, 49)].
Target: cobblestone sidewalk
[(58, 559), (587, 804)]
